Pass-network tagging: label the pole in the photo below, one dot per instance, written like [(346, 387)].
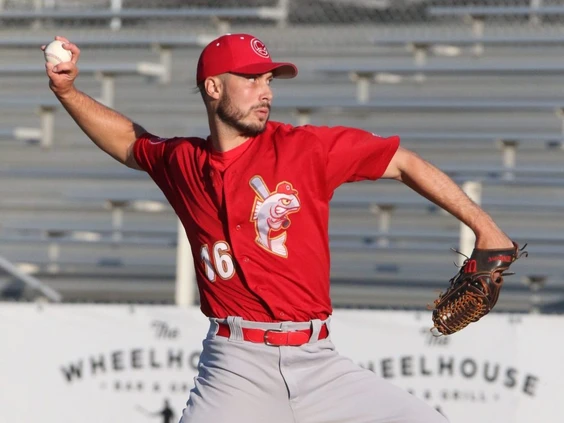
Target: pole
[(185, 274), (467, 237), (33, 282)]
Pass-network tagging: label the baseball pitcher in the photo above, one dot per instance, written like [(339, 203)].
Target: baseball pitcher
[(254, 200)]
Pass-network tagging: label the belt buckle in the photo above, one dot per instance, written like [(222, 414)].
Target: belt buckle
[(266, 341)]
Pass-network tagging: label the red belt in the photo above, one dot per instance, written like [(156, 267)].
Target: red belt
[(275, 337)]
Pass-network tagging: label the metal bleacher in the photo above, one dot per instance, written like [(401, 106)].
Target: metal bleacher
[(94, 230)]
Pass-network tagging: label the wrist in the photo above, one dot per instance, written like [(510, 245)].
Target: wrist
[(494, 238), (66, 95), (488, 234)]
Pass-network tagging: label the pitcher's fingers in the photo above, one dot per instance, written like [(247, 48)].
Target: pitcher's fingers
[(63, 39), (49, 68), (73, 48), (64, 67), (53, 71)]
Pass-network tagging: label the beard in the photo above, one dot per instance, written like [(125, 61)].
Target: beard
[(233, 117)]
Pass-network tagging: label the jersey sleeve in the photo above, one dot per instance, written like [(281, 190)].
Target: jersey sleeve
[(354, 154), (152, 154), (149, 152)]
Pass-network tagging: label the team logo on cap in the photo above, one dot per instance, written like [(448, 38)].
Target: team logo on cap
[(259, 48), (270, 214)]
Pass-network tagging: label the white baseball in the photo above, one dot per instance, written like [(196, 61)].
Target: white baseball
[(55, 53)]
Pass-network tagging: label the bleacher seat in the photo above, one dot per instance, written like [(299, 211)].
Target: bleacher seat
[(97, 231)]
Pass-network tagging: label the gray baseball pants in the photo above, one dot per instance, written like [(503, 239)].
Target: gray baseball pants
[(244, 382)]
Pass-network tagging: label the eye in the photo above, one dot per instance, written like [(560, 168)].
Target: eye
[(252, 78), (285, 201)]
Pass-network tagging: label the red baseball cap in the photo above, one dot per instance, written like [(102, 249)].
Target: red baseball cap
[(285, 188), (240, 53)]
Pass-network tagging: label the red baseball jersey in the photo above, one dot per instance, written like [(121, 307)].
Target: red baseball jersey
[(257, 216)]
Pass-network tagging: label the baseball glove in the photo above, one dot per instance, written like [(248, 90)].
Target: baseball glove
[(474, 290)]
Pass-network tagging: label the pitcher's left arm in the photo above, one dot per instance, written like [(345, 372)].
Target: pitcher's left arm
[(433, 184)]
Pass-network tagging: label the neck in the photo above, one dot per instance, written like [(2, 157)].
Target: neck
[(224, 137)]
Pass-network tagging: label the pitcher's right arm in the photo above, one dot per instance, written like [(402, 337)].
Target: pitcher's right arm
[(109, 130)]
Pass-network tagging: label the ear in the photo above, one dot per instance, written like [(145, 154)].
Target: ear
[(213, 87)]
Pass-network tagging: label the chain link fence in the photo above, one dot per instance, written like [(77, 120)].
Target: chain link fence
[(298, 12)]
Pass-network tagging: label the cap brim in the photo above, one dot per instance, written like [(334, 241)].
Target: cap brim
[(279, 70)]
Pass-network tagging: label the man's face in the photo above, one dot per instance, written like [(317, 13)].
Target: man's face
[(245, 102)]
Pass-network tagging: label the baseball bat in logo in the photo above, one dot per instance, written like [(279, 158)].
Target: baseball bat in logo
[(257, 184)]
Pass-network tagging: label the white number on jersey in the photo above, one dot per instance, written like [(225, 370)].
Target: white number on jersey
[(222, 262)]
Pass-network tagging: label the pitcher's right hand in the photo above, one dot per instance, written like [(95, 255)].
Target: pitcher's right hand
[(62, 75)]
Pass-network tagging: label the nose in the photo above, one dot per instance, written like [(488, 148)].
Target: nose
[(266, 93)]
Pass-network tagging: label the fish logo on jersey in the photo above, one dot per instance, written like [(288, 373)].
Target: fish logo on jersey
[(270, 214)]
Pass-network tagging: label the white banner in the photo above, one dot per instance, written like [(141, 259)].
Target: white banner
[(502, 369), (103, 363)]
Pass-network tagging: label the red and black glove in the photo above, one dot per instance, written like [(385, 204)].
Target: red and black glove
[(474, 290)]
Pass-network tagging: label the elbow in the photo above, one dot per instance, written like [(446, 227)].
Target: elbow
[(404, 163), (129, 159)]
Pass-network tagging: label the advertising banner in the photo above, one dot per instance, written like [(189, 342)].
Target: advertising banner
[(118, 363)]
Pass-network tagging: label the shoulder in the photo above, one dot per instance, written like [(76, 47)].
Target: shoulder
[(151, 151), (151, 142), (174, 141), (284, 131), (320, 132)]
